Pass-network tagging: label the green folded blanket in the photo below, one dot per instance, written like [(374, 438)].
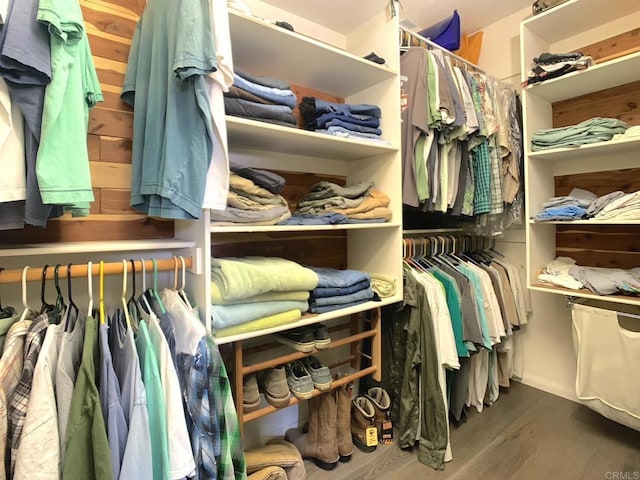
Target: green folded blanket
[(239, 278), (259, 324), (294, 295)]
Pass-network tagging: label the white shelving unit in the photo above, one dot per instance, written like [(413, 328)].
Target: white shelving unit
[(562, 29)]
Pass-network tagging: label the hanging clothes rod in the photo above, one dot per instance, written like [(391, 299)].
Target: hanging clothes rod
[(80, 270), (430, 43)]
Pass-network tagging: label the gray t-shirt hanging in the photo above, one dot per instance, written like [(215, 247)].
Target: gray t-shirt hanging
[(414, 104)]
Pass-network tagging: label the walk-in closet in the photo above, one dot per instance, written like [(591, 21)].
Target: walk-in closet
[(273, 239)]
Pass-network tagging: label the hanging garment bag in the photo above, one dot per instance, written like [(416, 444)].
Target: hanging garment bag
[(445, 33), (607, 344)]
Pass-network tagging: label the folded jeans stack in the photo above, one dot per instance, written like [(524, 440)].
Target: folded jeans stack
[(361, 121), (594, 130), (339, 289), (261, 98), (253, 199), (252, 293), (553, 65)]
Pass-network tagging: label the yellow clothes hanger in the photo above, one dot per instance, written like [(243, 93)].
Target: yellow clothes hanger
[(123, 298), (90, 287), (103, 316)]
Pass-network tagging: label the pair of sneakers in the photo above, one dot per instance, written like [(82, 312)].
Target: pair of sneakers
[(305, 375), (305, 339)]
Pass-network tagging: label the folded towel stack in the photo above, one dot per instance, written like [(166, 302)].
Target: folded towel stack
[(339, 289), (261, 98), (252, 293), (584, 204), (360, 121), (253, 198)]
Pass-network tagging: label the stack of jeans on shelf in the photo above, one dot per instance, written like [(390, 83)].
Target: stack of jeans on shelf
[(253, 198), (253, 293), (594, 130), (360, 121), (331, 203), (339, 289), (553, 65), (261, 98)]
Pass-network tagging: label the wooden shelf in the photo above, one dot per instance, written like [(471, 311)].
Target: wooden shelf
[(264, 49), (583, 293), (221, 229), (93, 247), (592, 150), (249, 134), (576, 16), (247, 417), (309, 319), (619, 71)]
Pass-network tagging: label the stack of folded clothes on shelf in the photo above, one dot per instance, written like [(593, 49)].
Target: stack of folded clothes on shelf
[(564, 272), (253, 198), (616, 206), (328, 203), (261, 98), (594, 130), (360, 121), (339, 289), (570, 207), (553, 65), (253, 293)]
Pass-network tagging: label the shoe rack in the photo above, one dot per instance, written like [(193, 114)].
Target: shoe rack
[(361, 326)]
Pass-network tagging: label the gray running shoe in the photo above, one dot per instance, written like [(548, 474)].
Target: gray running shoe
[(299, 380)]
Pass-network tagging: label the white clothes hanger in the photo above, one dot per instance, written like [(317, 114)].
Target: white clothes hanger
[(28, 311)]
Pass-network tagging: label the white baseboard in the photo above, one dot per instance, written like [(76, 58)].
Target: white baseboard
[(550, 387)]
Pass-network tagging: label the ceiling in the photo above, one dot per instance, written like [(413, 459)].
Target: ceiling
[(474, 14)]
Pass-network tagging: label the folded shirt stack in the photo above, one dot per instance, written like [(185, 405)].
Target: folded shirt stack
[(618, 206), (570, 207), (553, 65), (594, 130), (564, 272), (253, 199), (261, 98), (252, 293), (339, 289), (355, 203), (360, 121)]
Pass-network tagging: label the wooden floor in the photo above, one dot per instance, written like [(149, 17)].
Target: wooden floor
[(527, 434)]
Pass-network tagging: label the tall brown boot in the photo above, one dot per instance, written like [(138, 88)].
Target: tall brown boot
[(382, 406), (320, 442), (362, 417), (343, 405)]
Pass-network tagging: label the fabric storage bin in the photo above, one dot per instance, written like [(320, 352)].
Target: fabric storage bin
[(607, 345)]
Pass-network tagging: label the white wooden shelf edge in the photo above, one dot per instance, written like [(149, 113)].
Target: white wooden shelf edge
[(589, 222), (310, 320), (221, 229), (583, 294), (612, 146), (93, 247)]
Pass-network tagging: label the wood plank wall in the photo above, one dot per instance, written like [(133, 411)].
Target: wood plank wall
[(612, 246), (110, 25)]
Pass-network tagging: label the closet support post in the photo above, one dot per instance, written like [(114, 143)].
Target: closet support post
[(376, 343), (238, 382), (355, 347)]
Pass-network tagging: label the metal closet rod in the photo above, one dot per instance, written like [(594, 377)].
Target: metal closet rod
[(433, 44), (81, 270)]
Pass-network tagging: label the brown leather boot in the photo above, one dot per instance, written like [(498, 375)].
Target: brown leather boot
[(343, 405), (362, 417), (382, 405), (320, 442)]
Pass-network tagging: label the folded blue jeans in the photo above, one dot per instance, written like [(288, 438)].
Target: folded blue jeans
[(323, 106), (334, 278), (336, 122), (358, 296), (364, 120), (283, 97), (259, 111), (333, 291)]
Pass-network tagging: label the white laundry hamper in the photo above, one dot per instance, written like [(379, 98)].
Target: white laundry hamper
[(607, 345)]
